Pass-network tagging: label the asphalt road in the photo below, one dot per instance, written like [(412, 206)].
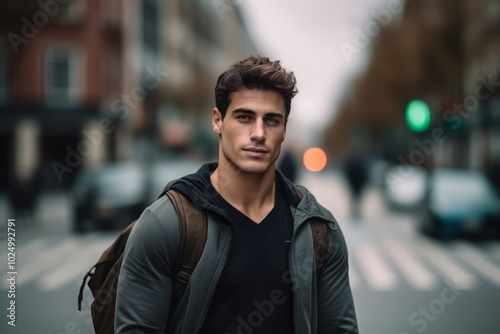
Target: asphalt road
[(403, 282)]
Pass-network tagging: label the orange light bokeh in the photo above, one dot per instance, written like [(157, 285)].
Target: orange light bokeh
[(314, 159)]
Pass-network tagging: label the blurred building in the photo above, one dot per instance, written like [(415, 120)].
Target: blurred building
[(443, 52), (200, 40), (83, 82), (61, 66)]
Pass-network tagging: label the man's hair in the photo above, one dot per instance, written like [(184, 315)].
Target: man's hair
[(255, 72)]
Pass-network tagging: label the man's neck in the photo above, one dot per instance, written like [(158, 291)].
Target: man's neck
[(251, 194)]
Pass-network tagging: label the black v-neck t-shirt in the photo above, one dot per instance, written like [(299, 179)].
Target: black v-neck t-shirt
[(254, 293)]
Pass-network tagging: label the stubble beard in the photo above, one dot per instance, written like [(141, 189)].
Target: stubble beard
[(239, 168)]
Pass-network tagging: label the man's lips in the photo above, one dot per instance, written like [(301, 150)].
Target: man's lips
[(254, 149)]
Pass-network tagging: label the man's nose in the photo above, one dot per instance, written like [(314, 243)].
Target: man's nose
[(258, 131)]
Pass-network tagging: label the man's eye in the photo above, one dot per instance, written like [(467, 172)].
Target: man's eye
[(273, 121), (244, 117)]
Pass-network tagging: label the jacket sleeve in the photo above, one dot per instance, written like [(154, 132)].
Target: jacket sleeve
[(145, 282), (336, 312)]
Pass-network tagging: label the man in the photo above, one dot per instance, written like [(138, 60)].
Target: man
[(255, 274)]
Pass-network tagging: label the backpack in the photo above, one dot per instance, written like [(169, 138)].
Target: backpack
[(193, 234), (104, 274)]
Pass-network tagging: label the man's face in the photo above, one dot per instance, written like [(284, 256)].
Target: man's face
[(252, 130)]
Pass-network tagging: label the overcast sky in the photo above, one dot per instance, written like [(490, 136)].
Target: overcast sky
[(307, 38)]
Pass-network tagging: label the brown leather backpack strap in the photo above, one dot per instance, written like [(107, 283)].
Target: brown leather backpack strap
[(321, 238), (193, 235)]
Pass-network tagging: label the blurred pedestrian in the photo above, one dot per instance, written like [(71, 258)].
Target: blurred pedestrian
[(287, 164), (355, 170), (256, 268), (23, 196)]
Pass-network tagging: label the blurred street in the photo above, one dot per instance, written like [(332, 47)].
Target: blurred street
[(403, 282), (396, 129)]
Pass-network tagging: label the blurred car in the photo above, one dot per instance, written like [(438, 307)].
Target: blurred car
[(162, 172), (404, 187), (109, 196), (460, 203)]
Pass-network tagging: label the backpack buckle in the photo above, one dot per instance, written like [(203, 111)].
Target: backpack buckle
[(183, 277)]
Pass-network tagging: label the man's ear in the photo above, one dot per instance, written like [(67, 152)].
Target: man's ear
[(216, 120)]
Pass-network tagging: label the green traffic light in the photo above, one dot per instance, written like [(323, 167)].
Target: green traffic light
[(418, 115)]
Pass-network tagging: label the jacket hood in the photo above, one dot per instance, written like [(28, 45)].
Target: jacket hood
[(199, 189)]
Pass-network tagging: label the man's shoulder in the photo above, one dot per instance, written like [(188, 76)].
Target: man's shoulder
[(310, 204), (161, 213), (156, 232)]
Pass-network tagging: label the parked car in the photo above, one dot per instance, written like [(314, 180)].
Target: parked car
[(404, 187), (460, 203), (109, 196)]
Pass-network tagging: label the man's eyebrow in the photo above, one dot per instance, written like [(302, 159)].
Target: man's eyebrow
[(243, 111), (251, 112), (274, 114)]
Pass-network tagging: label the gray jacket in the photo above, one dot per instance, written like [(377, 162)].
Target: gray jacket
[(323, 303)]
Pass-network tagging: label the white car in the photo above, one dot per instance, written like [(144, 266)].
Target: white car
[(404, 186)]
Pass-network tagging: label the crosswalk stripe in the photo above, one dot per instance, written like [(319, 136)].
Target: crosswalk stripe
[(24, 252), (415, 273), (77, 267), (377, 272), (448, 268), (477, 260), (45, 260)]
